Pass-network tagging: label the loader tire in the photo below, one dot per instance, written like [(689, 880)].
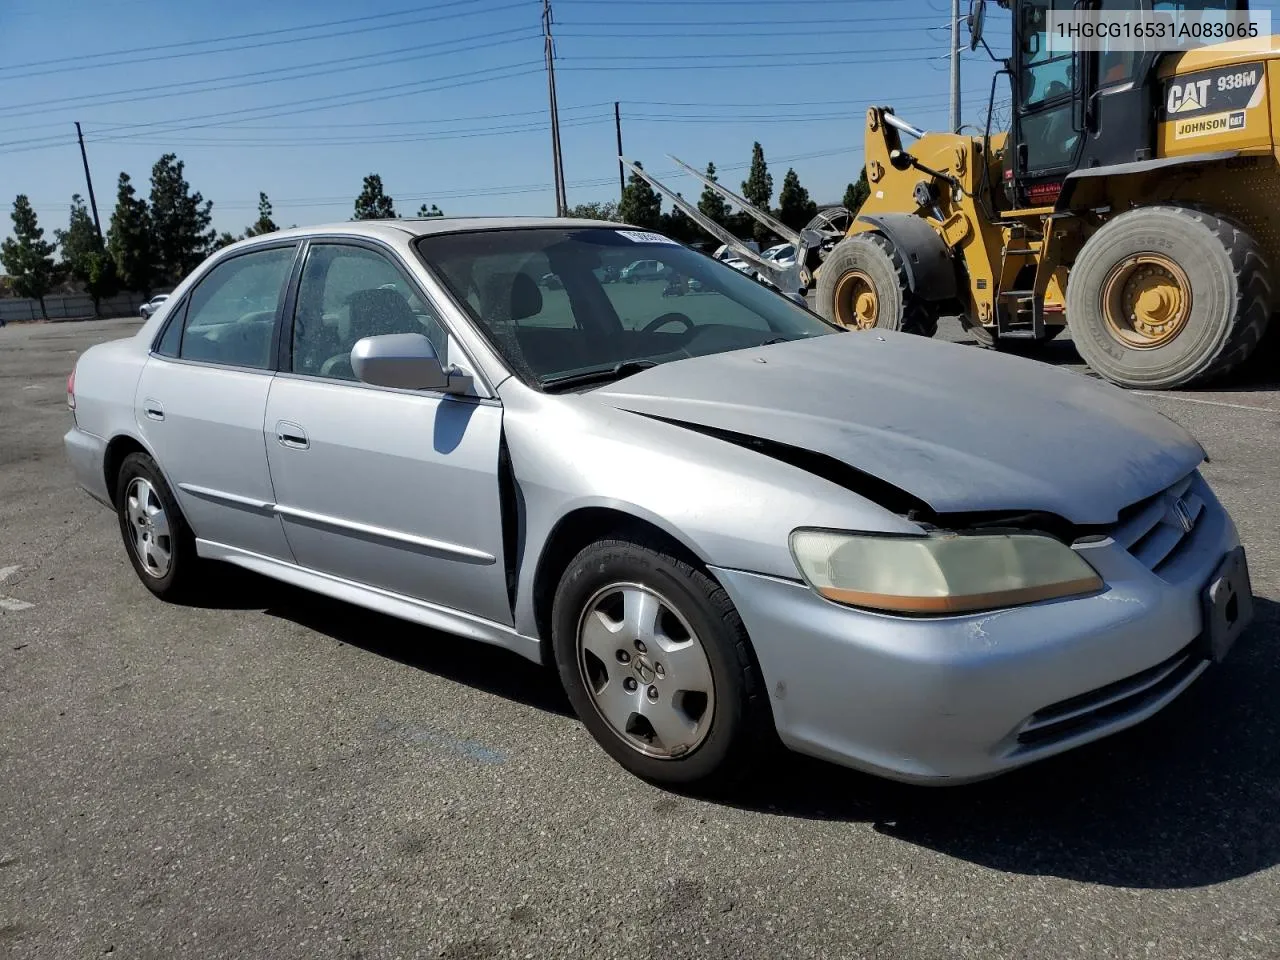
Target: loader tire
[(863, 286), (1166, 297)]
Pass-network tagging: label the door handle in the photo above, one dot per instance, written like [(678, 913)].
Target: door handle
[(290, 434), (152, 408)]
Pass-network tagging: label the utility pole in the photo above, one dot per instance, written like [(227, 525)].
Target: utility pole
[(93, 204), (622, 173), (557, 160), (955, 66)]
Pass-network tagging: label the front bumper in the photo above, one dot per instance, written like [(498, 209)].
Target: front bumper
[(949, 700)]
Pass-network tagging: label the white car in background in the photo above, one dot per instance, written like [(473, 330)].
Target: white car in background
[(152, 305), (784, 255)]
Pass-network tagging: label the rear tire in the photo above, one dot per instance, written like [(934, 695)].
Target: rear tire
[(863, 285), (160, 545), (1207, 327), (710, 715)]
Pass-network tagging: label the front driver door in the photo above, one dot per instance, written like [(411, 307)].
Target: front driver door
[(396, 489)]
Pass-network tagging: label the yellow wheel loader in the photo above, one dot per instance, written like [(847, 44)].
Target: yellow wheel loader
[(1133, 200)]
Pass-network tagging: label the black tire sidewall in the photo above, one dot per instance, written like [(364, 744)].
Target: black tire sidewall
[(183, 546), (1198, 250), (863, 253), (619, 561)]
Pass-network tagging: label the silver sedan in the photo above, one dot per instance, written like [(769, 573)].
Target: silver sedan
[(723, 521)]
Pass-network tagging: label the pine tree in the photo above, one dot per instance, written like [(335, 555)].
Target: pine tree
[(640, 206), (711, 205), (855, 195), (373, 203), (84, 255), (678, 225), (264, 223), (757, 189), (179, 220), (129, 239), (27, 256), (225, 239), (795, 209)]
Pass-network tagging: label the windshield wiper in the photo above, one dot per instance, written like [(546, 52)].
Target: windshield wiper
[(599, 375)]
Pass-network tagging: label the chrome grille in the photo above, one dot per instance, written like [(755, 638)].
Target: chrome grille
[(1154, 530)]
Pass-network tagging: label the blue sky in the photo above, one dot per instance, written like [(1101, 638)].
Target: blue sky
[(447, 99)]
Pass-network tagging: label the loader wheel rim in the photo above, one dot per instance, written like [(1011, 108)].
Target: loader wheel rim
[(1146, 301), (857, 304)]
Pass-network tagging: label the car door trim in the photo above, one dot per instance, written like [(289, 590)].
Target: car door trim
[(221, 496), (424, 612), (452, 551)]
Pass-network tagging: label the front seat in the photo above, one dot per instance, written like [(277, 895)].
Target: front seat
[(380, 311), (371, 313)]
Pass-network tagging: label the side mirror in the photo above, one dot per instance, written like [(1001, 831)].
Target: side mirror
[(404, 360), (977, 22)]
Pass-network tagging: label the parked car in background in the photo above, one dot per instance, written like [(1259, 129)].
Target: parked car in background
[(152, 305), (642, 270), (784, 255), (715, 524)]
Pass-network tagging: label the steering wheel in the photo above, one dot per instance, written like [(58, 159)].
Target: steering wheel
[(666, 318)]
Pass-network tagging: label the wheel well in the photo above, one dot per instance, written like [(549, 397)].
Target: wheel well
[(574, 532), (117, 450)]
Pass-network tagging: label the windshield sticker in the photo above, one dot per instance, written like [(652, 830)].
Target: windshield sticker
[(638, 236)]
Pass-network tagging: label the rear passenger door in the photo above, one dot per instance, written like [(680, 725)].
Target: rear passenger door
[(202, 398), (395, 489)]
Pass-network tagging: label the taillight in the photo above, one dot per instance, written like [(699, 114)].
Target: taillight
[(71, 390)]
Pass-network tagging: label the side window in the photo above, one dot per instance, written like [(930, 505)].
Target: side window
[(348, 293), (231, 315), (171, 339)]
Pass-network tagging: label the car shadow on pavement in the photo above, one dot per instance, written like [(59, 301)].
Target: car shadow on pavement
[(479, 665), (1186, 799)]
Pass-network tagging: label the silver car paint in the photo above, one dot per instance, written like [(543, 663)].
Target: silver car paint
[(394, 489), (734, 508), (963, 430), (204, 423)]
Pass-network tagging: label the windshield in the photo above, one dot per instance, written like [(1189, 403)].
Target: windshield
[(558, 302)]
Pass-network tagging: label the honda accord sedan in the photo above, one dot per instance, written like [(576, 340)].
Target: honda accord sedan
[(722, 521)]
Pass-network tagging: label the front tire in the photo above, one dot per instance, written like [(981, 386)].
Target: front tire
[(1167, 297), (658, 666), (160, 545), (863, 286)]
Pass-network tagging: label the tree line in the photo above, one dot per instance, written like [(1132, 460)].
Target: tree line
[(154, 242), (641, 205), (150, 242)]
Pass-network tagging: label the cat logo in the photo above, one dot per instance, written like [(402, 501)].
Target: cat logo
[(1190, 97)]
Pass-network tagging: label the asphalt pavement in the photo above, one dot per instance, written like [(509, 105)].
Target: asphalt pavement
[(279, 775)]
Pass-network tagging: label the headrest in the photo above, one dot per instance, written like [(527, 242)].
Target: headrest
[(511, 296), (380, 310)]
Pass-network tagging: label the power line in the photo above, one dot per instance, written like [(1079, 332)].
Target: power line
[(308, 105), (327, 68), (79, 64)]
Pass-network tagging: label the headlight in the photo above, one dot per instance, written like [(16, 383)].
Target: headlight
[(940, 574)]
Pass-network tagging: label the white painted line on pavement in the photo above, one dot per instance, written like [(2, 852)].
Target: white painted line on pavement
[(9, 603), (1207, 403)]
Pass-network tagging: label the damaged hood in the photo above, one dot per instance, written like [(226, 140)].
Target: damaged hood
[(959, 428)]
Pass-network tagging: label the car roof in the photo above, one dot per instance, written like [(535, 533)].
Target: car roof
[(398, 229)]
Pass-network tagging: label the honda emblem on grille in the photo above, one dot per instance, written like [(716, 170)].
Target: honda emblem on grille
[(1182, 513)]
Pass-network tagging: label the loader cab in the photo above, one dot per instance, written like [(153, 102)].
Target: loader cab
[(1081, 108)]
